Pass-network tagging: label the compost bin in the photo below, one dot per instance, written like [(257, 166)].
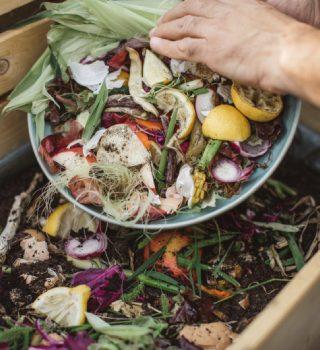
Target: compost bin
[(291, 320)]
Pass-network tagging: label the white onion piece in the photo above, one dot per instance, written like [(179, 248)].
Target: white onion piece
[(227, 171), (204, 104), (90, 248), (89, 74)]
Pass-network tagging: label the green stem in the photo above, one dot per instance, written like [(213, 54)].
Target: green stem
[(188, 264), (295, 251), (241, 291), (209, 242), (281, 189), (209, 153), (164, 153), (150, 282)]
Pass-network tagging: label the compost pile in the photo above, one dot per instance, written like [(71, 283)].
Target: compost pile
[(69, 281)]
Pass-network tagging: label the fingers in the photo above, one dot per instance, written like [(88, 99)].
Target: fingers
[(201, 8), (189, 49), (188, 26)]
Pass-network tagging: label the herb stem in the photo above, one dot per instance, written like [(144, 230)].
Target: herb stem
[(164, 153), (150, 282), (188, 264), (241, 291), (209, 153)]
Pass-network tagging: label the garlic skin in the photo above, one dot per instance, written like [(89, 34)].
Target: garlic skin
[(185, 184)]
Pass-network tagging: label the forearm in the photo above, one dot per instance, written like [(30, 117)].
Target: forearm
[(300, 62)]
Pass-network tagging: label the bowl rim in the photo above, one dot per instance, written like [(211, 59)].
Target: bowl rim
[(187, 222)]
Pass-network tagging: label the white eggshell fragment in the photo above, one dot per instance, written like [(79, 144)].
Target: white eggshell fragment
[(120, 144)]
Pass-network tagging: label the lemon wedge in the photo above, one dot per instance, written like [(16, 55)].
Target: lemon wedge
[(168, 99), (66, 218), (256, 104), (65, 306), (154, 70), (226, 123)]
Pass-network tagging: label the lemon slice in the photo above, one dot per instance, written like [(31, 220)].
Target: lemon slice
[(256, 104), (154, 70), (167, 99), (65, 306), (66, 218), (226, 123)]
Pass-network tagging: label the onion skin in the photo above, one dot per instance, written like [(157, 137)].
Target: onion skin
[(255, 151), (81, 250), (204, 102)]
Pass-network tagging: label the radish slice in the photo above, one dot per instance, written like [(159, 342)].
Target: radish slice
[(225, 170), (204, 104), (253, 147), (90, 248)]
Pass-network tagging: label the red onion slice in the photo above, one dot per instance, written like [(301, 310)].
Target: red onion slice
[(204, 104), (253, 147), (90, 248), (227, 171)]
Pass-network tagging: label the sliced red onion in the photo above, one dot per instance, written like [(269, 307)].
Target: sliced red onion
[(90, 248), (253, 147), (246, 172), (204, 104), (226, 171)]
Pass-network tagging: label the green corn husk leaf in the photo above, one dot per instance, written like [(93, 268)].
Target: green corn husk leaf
[(32, 87), (82, 28)]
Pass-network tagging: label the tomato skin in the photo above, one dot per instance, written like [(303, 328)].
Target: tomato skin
[(118, 60)]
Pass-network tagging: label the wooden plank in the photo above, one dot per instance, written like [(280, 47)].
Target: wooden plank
[(19, 49), (9, 5), (13, 131), (292, 319)]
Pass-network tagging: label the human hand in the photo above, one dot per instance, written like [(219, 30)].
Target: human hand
[(307, 11), (241, 39)]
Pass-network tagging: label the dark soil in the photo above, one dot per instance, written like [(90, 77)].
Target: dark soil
[(16, 295)]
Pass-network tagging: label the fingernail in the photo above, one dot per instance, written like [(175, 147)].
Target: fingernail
[(152, 31)]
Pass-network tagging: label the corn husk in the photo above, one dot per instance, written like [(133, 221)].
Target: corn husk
[(83, 28)]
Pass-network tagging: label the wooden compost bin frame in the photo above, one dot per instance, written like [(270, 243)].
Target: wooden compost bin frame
[(292, 318)]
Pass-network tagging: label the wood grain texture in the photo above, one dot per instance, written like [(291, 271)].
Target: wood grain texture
[(292, 320), (20, 48), (13, 131), (10, 5)]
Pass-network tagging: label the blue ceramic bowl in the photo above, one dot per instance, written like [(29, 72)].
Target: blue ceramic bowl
[(290, 118)]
